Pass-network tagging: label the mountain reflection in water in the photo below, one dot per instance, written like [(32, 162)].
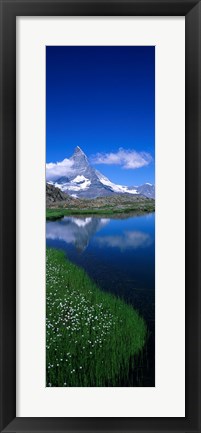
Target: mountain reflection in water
[(77, 231), (119, 254)]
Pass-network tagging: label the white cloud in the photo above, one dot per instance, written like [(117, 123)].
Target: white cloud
[(128, 159), (58, 169)]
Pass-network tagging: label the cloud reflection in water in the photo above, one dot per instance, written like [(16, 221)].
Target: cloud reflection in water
[(129, 239)]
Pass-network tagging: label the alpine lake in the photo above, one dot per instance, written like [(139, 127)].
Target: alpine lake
[(118, 255)]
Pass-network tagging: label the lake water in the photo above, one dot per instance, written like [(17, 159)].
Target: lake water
[(119, 254)]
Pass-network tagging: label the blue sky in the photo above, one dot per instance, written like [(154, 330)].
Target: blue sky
[(103, 100)]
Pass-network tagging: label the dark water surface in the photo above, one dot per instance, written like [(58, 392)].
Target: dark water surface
[(119, 254)]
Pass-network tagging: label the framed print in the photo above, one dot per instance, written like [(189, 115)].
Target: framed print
[(100, 216), (89, 198)]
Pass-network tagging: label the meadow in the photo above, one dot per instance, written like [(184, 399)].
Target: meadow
[(91, 336)]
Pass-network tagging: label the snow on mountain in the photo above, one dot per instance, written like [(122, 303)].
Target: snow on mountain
[(115, 187), (80, 179), (84, 181)]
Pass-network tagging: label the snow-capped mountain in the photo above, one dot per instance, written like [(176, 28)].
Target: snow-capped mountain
[(83, 180)]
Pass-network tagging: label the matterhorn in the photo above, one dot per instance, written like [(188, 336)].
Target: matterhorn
[(84, 181)]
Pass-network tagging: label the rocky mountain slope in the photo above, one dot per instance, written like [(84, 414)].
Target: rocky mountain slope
[(55, 195)]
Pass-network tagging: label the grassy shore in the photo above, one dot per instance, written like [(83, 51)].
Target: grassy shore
[(53, 214), (90, 335)]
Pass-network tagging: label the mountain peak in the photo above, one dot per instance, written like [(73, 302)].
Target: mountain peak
[(78, 150), (79, 155), (79, 159)]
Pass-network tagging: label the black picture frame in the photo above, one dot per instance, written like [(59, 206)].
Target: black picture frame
[(191, 9)]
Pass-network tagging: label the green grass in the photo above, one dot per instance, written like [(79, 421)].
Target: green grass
[(53, 214), (91, 336)]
